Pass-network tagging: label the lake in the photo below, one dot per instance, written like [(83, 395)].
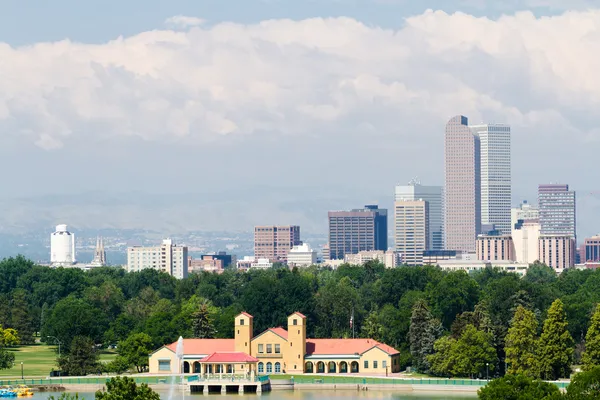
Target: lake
[(299, 395)]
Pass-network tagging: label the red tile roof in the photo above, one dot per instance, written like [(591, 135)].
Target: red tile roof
[(344, 346), (299, 314), (205, 346), (279, 331), (246, 314), (229, 357)]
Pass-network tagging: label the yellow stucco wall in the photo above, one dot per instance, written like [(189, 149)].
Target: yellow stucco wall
[(163, 354), (270, 338)]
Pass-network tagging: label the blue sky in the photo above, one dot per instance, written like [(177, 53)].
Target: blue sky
[(335, 101)]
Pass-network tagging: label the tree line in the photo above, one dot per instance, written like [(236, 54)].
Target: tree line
[(454, 312)]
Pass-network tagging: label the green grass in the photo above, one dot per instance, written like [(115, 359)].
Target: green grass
[(38, 360)]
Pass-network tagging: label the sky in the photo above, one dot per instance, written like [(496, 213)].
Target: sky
[(230, 113)]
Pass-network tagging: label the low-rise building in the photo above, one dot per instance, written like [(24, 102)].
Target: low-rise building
[(278, 351), (390, 258), (526, 237), (168, 257), (302, 256), (557, 252), (495, 248)]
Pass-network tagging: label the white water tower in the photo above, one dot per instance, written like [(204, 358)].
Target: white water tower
[(62, 246)]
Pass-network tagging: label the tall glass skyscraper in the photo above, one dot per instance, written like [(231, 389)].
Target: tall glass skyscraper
[(496, 194)]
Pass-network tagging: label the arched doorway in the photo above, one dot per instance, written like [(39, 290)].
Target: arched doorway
[(320, 367), (186, 367), (261, 368), (196, 367), (277, 368), (269, 368), (331, 368), (309, 367), (343, 367), (354, 367)]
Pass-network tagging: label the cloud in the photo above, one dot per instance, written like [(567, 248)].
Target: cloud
[(315, 77), (182, 21)]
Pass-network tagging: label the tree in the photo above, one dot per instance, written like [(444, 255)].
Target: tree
[(585, 385), (591, 356), (555, 346), (124, 388), (521, 343), (8, 337), (82, 358), (518, 387), (442, 360), (21, 316), (456, 293), (118, 365), (203, 321), (422, 335), (7, 359), (66, 396), (135, 350)]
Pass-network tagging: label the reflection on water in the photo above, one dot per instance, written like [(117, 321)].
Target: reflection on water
[(299, 395)]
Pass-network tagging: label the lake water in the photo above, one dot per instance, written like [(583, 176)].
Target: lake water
[(298, 395)]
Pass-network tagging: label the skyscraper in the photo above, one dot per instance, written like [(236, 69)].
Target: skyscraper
[(411, 230), (557, 210), (462, 186), (275, 242), (495, 175), (357, 230), (433, 195)]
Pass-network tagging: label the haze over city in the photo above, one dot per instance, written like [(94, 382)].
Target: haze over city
[(218, 115)]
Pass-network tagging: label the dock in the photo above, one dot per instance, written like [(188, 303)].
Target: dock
[(228, 384)]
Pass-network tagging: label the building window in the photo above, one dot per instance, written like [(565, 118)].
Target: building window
[(269, 348), (366, 364), (261, 349), (277, 368), (384, 364), (261, 368), (164, 365), (295, 322), (242, 322), (374, 364), (269, 368), (277, 349)]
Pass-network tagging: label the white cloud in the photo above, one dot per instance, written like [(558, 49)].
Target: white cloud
[(323, 76), (182, 21)]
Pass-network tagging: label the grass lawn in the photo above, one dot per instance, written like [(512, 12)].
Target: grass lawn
[(38, 360)]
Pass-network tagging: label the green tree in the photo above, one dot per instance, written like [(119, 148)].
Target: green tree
[(585, 385), (21, 316), (591, 355), (82, 358), (7, 359), (66, 396), (456, 293), (372, 327), (518, 387), (521, 343), (422, 335), (555, 346), (474, 353), (442, 360), (124, 388), (203, 325), (118, 365), (135, 350)]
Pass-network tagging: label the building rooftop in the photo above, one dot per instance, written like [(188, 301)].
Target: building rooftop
[(229, 357)]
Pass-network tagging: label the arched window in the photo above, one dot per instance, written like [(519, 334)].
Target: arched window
[(277, 368), (269, 368), (261, 368)]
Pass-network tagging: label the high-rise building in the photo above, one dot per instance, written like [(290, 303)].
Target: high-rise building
[(462, 219), (62, 247), (275, 242), (433, 195), (495, 175), (591, 250), (557, 210), (526, 237), (357, 230), (411, 230), (168, 257), (525, 212), (495, 248), (557, 252)]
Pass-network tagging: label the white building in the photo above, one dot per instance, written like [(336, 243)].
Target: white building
[(390, 258), (434, 197), (411, 230), (168, 257), (495, 175), (468, 262), (62, 247), (302, 256), (524, 212), (526, 237), (262, 263)]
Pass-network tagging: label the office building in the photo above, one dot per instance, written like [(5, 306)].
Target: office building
[(357, 230), (411, 230), (62, 247), (526, 237), (216, 262), (557, 252), (591, 250), (433, 195), (390, 258), (168, 257), (525, 212), (557, 210), (495, 248), (275, 242), (302, 256), (462, 220), (495, 175)]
